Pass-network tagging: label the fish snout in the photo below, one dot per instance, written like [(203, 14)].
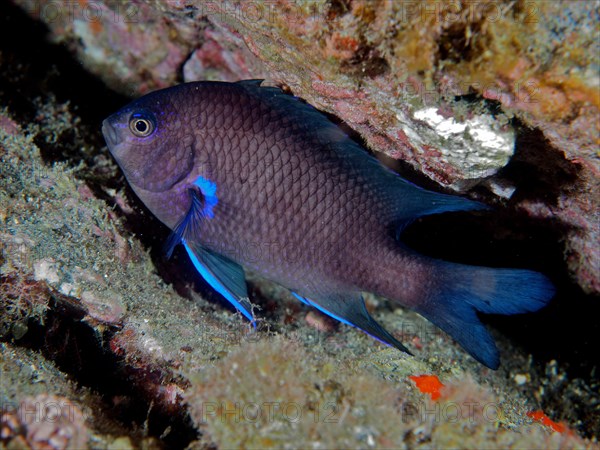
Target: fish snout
[(110, 134)]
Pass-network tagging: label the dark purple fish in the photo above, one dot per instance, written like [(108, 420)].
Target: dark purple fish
[(247, 176)]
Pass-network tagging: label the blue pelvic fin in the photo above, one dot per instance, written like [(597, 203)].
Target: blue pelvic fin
[(464, 291), (302, 299), (224, 276), (351, 310)]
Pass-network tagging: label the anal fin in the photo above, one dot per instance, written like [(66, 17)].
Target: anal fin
[(351, 310)]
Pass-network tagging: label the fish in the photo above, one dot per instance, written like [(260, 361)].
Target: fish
[(249, 177)]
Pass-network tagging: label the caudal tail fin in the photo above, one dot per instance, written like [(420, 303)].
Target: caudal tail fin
[(463, 291)]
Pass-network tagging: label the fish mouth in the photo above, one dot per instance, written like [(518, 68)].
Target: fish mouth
[(110, 134)]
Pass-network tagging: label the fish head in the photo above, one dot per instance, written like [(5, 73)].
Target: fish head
[(150, 140)]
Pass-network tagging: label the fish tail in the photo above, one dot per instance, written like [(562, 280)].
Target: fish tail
[(460, 292)]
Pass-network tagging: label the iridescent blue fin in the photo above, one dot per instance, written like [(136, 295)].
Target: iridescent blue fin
[(351, 310), (224, 276), (302, 299), (463, 291)]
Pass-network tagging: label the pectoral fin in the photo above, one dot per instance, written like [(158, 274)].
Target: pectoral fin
[(351, 310)]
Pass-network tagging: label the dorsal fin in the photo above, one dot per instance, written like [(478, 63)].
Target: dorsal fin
[(406, 201)]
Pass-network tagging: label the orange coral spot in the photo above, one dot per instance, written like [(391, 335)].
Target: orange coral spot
[(428, 384), (540, 416), (346, 43), (96, 26)]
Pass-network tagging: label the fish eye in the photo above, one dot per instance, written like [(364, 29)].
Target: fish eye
[(141, 124)]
